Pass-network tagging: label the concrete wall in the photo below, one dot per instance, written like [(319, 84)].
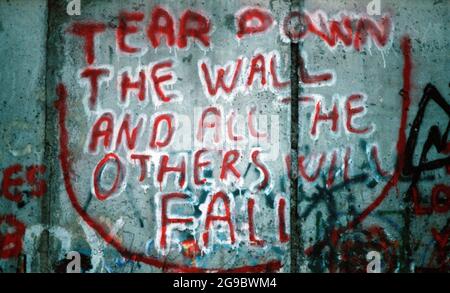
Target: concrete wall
[(94, 112)]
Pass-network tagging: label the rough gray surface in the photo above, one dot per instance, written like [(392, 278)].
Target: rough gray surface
[(361, 200)]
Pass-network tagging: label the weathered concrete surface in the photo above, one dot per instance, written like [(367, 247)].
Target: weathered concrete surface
[(357, 190), (378, 73), (23, 27)]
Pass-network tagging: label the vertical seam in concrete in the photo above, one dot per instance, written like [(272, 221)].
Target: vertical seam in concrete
[(295, 229), (44, 243)]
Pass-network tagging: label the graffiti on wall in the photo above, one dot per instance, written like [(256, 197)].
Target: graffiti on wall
[(197, 175)]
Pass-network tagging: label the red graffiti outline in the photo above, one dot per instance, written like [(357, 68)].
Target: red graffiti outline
[(64, 158), (400, 147), (273, 265)]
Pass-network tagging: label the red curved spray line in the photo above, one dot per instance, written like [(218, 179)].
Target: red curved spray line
[(400, 147), (401, 141), (64, 157)]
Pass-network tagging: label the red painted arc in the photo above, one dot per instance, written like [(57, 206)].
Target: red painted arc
[(64, 157), (400, 146), (273, 265), (401, 141)]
